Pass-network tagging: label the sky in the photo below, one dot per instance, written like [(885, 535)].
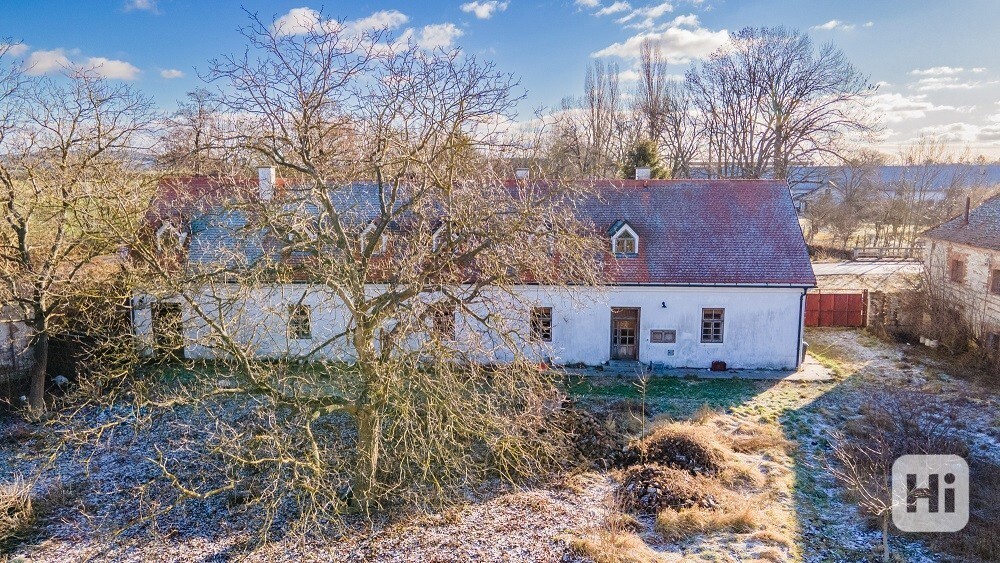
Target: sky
[(937, 70)]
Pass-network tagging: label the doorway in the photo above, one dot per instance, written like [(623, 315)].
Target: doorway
[(624, 333)]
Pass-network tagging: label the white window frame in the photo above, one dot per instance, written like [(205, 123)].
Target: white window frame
[(618, 234), (380, 249)]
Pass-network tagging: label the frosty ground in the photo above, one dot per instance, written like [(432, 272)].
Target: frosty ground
[(799, 512)]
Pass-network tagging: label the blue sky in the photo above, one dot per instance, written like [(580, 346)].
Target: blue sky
[(938, 71)]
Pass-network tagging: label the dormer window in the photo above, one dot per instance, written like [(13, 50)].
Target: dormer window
[(366, 235), (624, 239)]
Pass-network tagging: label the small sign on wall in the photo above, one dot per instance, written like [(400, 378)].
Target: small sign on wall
[(662, 336)]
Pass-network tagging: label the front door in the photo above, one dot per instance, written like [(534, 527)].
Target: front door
[(168, 330), (624, 334)]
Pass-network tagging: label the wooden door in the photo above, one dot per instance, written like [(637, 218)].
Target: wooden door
[(624, 334), (168, 330)]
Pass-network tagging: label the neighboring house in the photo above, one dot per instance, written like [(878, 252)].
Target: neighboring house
[(699, 271), (962, 260), (15, 344)]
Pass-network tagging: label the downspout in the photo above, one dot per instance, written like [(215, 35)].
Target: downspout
[(798, 341)]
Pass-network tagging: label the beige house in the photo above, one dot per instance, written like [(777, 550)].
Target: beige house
[(962, 260)]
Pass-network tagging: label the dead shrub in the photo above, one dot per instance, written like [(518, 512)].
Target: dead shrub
[(674, 525), (16, 511), (649, 488), (704, 414), (695, 448)]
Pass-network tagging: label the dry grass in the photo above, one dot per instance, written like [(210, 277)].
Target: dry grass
[(754, 437), (615, 547), (16, 511), (676, 525)]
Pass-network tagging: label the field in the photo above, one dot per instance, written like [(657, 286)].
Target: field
[(754, 483)]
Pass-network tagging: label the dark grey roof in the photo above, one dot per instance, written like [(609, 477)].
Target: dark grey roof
[(982, 230)]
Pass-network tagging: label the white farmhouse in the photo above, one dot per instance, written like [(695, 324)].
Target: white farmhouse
[(962, 260), (699, 271)]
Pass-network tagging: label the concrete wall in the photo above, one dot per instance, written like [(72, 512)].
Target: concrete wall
[(762, 327)]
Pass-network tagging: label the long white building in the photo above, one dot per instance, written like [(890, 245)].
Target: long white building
[(700, 271)]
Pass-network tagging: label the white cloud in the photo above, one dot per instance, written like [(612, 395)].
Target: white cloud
[(56, 60), (440, 35), (869, 24), (682, 41), (937, 71), (645, 18), (897, 107), (170, 73), (110, 68), (615, 8), (963, 132), (383, 19), (145, 5), (484, 10), (835, 25), (299, 21), (587, 3), (13, 49), (947, 83), (979, 69), (44, 62)]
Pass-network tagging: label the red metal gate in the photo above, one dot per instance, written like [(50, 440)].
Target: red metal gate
[(837, 309)]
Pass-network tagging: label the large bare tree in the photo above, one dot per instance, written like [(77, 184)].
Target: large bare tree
[(769, 98), (395, 260), (68, 169)]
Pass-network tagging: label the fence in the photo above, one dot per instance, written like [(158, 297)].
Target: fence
[(841, 309)]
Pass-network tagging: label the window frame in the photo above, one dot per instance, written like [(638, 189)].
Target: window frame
[(299, 322), (957, 276), (443, 322), (713, 325), (540, 330), (625, 230), (662, 336)]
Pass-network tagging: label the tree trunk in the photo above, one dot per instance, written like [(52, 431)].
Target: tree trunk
[(364, 479), (36, 396)]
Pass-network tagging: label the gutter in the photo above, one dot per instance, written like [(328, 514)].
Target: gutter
[(798, 341)]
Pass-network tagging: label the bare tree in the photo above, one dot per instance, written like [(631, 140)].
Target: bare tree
[(68, 169), (769, 99), (663, 108), (194, 139), (394, 260)]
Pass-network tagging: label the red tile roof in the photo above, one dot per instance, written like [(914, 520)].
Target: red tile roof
[(982, 230), (703, 232)]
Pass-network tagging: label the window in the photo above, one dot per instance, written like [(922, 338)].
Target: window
[(367, 234), (541, 324), (299, 327), (661, 336), (995, 282), (624, 239), (625, 244), (443, 321), (992, 342), (956, 270), (711, 325)]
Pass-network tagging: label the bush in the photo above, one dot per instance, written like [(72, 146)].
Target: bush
[(16, 512)]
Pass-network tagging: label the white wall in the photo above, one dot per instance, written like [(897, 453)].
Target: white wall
[(762, 325)]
